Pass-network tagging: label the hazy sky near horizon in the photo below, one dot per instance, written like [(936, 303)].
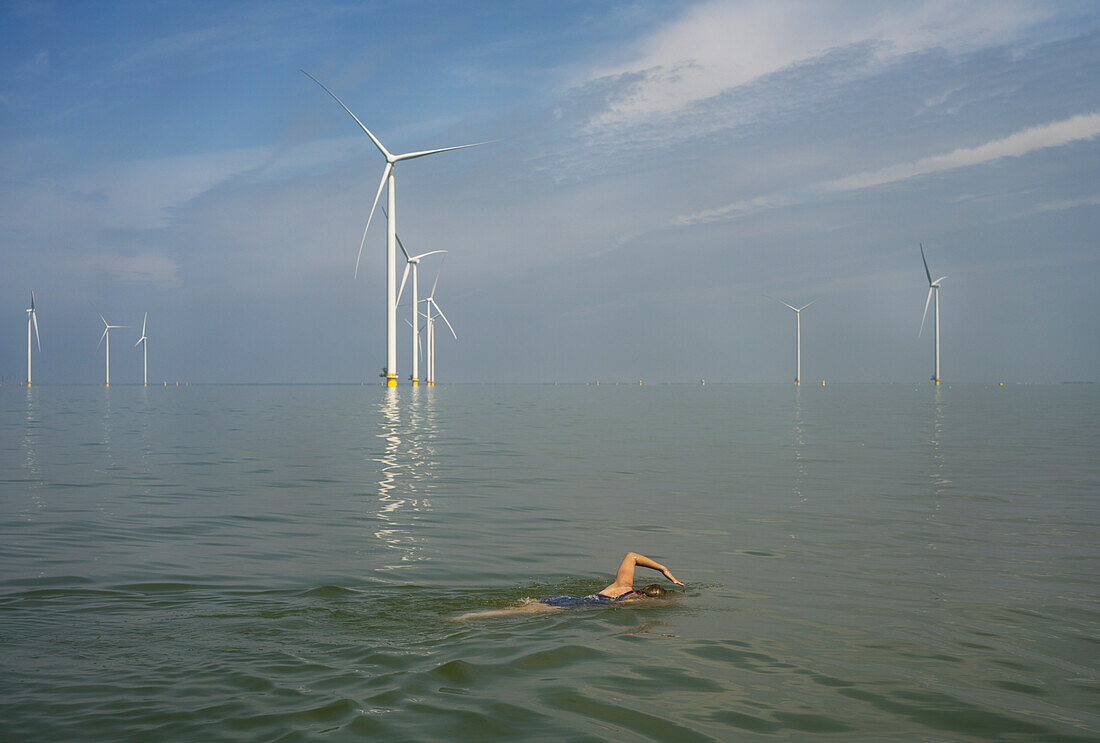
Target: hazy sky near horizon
[(663, 166)]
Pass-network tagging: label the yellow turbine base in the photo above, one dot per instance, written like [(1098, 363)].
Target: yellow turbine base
[(937, 381), (391, 381), (415, 383), (797, 383)]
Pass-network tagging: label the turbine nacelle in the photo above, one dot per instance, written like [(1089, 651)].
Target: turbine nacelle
[(933, 286), (106, 329), (791, 307), (32, 319), (142, 339)]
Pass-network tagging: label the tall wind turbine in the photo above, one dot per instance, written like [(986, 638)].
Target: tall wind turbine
[(107, 334), (431, 312), (32, 319), (413, 261), (391, 230), (933, 288), (144, 342), (797, 338)]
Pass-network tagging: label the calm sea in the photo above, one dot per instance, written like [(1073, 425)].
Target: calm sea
[(863, 563)]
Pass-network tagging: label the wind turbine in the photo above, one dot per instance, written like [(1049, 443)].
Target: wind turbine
[(431, 313), (413, 261), (797, 337), (32, 318), (144, 342), (933, 288), (107, 334), (391, 229)]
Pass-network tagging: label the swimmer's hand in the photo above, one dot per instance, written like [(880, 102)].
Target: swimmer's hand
[(671, 577)]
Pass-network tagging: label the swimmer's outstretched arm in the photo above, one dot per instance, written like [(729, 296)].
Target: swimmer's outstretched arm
[(625, 575)]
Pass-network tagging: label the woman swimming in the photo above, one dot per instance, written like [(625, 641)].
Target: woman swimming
[(620, 591)]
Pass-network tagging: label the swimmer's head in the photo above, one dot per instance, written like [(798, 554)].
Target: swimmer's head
[(654, 591)]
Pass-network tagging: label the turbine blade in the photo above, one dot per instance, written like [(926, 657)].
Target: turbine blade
[(383, 150), (385, 174), (104, 321), (32, 300), (433, 252), (926, 271), (780, 302), (34, 319), (404, 276), (414, 155), (925, 315), (399, 243), (139, 341), (101, 338), (941, 278), (445, 319), (143, 324), (432, 294), (804, 306)]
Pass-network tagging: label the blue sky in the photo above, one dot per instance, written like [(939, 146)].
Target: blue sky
[(662, 167)]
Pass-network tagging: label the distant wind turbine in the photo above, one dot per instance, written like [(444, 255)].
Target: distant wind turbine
[(797, 337), (413, 261), (431, 312), (391, 230), (144, 342), (107, 334), (933, 288), (32, 319)]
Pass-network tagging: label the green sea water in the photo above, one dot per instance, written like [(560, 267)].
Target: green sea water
[(863, 563)]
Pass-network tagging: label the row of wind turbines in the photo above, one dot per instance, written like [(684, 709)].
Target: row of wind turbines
[(143, 341), (412, 263), (933, 289), (432, 311)]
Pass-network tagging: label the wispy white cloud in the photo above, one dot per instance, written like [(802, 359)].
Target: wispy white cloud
[(721, 45), (1056, 134), (1063, 204)]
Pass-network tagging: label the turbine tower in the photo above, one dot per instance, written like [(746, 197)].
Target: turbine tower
[(933, 288), (391, 230), (107, 334), (431, 312), (413, 261), (32, 319), (144, 342), (797, 338)]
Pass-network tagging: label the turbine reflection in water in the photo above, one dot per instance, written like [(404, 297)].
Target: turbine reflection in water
[(31, 433), (939, 479), (406, 470), (799, 446)]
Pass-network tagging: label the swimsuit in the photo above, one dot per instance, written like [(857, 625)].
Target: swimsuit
[(592, 599)]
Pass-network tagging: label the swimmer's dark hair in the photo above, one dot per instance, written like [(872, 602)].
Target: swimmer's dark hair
[(654, 591)]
